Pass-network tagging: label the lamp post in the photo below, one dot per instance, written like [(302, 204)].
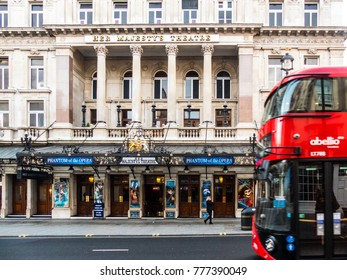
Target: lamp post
[(225, 111), (189, 109), (206, 148), (252, 141), (118, 115), (287, 63), (84, 114), (153, 115)]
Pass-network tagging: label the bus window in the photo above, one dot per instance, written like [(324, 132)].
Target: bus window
[(274, 206), (306, 95)]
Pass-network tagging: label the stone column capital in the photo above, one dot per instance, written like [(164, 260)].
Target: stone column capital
[(171, 49), (101, 50), (136, 49), (207, 49)]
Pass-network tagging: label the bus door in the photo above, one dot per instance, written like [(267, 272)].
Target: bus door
[(322, 225)]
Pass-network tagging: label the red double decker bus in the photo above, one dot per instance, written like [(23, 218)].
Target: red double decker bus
[(301, 190)]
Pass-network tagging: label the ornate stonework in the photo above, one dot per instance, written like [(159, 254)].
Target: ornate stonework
[(101, 50), (276, 51), (16, 2), (207, 49), (136, 49), (34, 52), (312, 51), (171, 49)]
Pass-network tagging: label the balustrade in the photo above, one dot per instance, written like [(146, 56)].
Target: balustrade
[(118, 134)]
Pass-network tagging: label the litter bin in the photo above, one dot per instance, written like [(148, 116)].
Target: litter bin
[(246, 218)]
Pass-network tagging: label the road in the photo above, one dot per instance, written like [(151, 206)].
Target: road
[(233, 247)]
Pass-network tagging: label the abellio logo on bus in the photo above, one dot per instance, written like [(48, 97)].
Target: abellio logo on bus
[(330, 142)]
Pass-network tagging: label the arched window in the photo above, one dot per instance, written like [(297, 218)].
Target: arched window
[(128, 85), (223, 85), (160, 85), (192, 85), (95, 86)]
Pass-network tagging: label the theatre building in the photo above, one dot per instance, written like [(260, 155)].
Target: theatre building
[(143, 108)]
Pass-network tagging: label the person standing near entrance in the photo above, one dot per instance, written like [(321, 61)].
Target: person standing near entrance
[(209, 209)]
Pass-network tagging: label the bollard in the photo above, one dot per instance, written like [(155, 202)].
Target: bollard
[(246, 218)]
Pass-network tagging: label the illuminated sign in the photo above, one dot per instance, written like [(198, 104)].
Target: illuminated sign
[(30, 174), (213, 160), (139, 160), (73, 160)]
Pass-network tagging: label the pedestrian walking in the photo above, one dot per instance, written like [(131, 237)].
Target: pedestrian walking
[(209, 208)]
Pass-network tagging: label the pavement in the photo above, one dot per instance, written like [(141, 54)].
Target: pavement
[(76, 227)]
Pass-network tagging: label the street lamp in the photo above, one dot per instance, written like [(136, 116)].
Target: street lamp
[(225, 110), (252, 141), (153, 115), (287, 63), (189, 109), (84, 114), (118, 115)]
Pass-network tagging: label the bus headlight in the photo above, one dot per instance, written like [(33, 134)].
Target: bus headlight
[(270, 243)]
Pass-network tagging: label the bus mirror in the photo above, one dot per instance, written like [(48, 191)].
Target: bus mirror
[(263, 170)]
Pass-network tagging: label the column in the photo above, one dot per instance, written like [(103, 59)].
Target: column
[(30, 198), (136, 51), (207, 50), (101, 52), (4, 196), (171, 51), (64, 78), (245, 110)]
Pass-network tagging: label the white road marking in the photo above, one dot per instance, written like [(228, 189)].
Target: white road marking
[(110, 250)]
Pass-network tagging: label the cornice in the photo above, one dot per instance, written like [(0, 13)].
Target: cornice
[(24, 32), (151, 29), (304, 31), (228, 29)]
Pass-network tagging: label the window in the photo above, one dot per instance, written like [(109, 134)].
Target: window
[(120, 13), (3, 73), (310, 177), (36, 15), (190, 11), (223, 117), (223, 85), (128, 85), (36, 114), (126, 117), (160, 85), (93, 116), (95, 86), (275, 73), (191, 117), (3, 15), (311, 15), (192, 85), (86, 13), (225, 11), (310, 61), (154, 12), (36, 73), (275, 14), (160, 117), (4, 114)]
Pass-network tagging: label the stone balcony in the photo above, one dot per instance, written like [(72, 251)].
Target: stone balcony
[(105, 135)]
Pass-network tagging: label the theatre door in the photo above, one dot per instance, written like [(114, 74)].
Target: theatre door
[(189, 205)]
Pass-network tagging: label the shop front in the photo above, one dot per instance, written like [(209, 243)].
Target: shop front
[(66, 182)]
